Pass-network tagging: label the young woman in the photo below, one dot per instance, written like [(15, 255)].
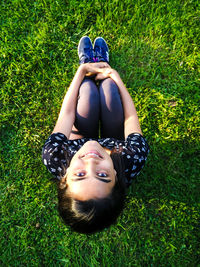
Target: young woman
[(96, 148)]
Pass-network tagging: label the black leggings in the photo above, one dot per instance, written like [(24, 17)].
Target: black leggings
[(98, 108)]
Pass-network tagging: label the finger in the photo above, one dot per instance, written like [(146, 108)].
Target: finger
[(102, 70), (102, 65), (105, 70), (93, 69), (89, 74), (107, 65), (99, 76)]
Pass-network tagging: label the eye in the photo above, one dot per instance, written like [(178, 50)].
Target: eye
[(102, 174), (80, 174)]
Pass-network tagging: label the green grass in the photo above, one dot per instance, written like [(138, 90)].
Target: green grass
[(155, 47)]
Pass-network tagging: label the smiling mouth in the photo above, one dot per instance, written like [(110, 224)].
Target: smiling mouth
[(92, 154)]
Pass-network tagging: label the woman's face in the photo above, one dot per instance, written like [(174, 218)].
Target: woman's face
[(91, 172)]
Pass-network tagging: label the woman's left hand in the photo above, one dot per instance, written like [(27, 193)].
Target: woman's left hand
[(94, 68), (104, 73)]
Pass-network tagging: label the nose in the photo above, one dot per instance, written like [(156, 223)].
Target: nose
[(91, 165)]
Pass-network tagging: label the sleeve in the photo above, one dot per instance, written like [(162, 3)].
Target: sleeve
[(136, 152), (55, 154)]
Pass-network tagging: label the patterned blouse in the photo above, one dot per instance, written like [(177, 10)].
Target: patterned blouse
[(58, 152)]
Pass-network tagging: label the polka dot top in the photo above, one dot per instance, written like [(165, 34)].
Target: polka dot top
[(58, 152)]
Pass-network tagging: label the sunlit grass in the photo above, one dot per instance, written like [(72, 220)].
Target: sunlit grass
[(154, 46)]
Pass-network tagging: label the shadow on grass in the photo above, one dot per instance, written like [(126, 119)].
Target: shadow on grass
[(171, 173)]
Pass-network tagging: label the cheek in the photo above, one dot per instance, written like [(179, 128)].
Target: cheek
[(75, 163), (108, 164), (73, 187)]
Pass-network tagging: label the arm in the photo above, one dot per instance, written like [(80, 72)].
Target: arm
[(131, 121), (66, 116), (67, 113)]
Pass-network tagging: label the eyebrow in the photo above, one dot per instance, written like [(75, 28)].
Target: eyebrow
[(82, 178)]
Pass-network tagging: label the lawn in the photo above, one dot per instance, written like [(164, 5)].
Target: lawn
[(155, 47)]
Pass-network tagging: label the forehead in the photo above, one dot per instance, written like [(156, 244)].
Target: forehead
[(90, 190)]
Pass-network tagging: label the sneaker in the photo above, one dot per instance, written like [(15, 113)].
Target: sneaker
[(85, 50), (101, 50)]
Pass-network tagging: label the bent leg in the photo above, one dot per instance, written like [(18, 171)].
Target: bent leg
[(87, 111), (112, 114)]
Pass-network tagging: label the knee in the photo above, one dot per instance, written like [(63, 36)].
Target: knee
[(107, 82), (88, 89), (109, 88)]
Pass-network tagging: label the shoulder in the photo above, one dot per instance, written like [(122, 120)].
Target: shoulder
[(56, 138), (60, 140), (54, 156), (136, 142), (57, 153), (135, 152), (55, 144)]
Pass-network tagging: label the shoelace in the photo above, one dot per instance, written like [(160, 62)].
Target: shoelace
[(88, 54), (88, 51), (101, 55)]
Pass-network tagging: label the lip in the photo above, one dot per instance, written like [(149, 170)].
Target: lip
[(92, 154)]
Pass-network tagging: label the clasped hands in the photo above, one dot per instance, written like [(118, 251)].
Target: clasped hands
[(102, 70)]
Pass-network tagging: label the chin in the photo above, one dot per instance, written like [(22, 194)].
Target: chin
[(92, 143)]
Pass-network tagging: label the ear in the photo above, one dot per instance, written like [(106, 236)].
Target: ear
[(63, 182)]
